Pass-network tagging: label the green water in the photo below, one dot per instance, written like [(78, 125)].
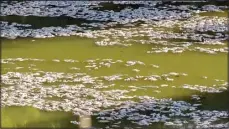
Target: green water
[(195, 65), (31, 117)]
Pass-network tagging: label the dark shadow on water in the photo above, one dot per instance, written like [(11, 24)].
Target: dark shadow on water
[(216, 101), (210, 101), (116, 7), (39, 22), (194, 2)]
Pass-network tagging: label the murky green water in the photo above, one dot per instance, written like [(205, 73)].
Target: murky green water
[(194, 64)]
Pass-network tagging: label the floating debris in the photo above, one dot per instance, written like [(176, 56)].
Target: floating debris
[(169, 28), (136, 70), (164, 18), (161, 111)]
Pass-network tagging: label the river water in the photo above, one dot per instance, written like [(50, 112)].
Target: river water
[(125, 64)]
